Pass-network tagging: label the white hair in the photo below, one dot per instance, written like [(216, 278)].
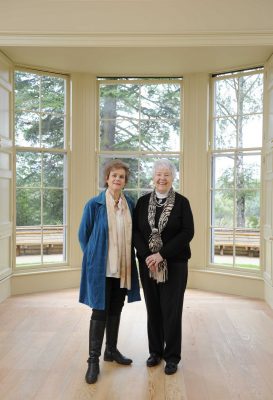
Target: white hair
[(164, 163)]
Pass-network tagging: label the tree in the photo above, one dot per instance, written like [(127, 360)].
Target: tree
[(140, 118), (39, 123), (238, 100)]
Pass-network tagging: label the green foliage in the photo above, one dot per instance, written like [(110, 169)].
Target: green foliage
[(139, 117), (39, 123), (237, 98), (39, 110)]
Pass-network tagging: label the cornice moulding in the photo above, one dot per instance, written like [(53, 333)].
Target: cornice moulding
[(137, 40)]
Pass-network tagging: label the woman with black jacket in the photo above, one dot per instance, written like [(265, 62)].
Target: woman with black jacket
[(163, 229)]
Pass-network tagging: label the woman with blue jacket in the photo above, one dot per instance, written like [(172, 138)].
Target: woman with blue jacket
[(109, 270)]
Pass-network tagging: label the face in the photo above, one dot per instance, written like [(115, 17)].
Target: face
[(116, 180), (163, 180)]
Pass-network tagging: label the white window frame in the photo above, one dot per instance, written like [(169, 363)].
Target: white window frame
[(211, 152), (137, 154), (45, 266)]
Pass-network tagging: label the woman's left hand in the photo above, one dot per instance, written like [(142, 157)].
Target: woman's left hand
[(153, 260)]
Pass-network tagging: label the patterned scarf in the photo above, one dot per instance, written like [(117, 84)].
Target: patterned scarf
[(155, 241), (120, 254)]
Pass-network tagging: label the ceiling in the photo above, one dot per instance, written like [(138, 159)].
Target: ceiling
[(137, 37), (140, 61)]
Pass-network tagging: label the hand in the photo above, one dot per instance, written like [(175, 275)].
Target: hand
[(153, 260)]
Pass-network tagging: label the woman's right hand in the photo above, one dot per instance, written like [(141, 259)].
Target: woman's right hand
[(153, 260)]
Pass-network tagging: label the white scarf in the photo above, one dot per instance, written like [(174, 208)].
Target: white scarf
[(119, 254)]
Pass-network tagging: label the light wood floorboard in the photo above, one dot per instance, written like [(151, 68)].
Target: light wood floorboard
[(227, 351)]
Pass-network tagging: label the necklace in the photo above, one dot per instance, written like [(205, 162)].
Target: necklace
[(160, 202)]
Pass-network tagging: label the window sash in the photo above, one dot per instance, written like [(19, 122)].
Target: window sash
[(41, 232), (234, 232), (139, 155)]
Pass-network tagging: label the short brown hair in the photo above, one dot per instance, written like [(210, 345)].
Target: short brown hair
[(115, 164)]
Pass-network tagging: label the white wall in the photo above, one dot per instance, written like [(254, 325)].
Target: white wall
[(83, 186)]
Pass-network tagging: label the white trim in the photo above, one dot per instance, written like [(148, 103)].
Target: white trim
[(41, 281), (5, 289), (187, 39), (268, 293), (66, 171), (226, 283), (212, 152)]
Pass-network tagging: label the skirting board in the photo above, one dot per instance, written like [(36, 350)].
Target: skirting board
[(45, 281), (225, 283), (268, 293)]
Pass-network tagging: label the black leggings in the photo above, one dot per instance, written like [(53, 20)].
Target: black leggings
[(114, 300)]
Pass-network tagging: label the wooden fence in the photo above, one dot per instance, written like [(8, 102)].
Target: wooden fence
[(246, 242), (30, 238), (28, 241)]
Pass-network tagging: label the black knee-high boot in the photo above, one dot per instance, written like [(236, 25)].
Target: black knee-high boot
[(96, 333), (111, 352)]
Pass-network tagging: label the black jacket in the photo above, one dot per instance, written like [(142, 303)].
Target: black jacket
[(176, 236)]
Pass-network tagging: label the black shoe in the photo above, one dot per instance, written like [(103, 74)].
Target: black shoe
[(92, 372), (115, 355), (153, 360), (170, 368), (111, 352)]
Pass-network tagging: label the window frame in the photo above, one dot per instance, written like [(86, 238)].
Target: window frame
[(138, 154), (66, 152), (231, 268)]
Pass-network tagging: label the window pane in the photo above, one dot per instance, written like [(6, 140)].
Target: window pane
[(52, 131), (247, 248), (160, 101), (222, 242), (28, 245), (222, 208), (223, 172), (225, 133), (119, 134), (53, 207), (53, 239), (28, 207), (248, 209), (248, 170), (27, 88), (28, 169), (119, 101), (226, 97), (251, 93), (159, 135), (52, 94), (53, 170), (27, 131), (252, 131)]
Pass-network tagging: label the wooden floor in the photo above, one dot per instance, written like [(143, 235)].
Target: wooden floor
[(227, 351)]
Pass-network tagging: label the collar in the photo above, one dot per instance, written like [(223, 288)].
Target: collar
[(161, 195)]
